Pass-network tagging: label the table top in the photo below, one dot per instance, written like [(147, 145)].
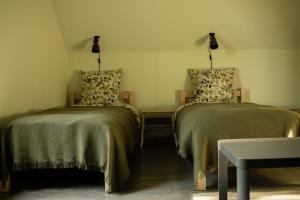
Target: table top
[(297, 110), (169, 109), (261, 148)]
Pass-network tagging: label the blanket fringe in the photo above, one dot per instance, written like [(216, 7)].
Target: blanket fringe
[(56, 165)]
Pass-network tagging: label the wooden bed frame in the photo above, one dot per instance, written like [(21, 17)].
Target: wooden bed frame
[(126, 96), (73, 99), (187, 97)]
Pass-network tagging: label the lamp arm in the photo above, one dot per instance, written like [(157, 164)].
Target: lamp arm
[(99, 60), (210, 58)]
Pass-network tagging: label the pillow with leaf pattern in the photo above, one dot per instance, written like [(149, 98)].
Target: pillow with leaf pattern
[(100, 88), (213, 86)]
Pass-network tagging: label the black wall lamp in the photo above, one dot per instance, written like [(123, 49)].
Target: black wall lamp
[(213, 44), (96, 48)]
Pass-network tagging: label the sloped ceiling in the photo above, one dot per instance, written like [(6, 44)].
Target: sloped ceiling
[(176, 25)]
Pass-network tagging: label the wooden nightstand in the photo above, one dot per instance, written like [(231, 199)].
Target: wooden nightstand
[(297, 110), (158, 113)]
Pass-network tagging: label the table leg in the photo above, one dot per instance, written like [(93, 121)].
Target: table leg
[(222, 176), (142, 130), (173, 129), (242, 184)]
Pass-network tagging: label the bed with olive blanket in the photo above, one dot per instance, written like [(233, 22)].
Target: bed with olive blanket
[(200, 126), (88, 138)]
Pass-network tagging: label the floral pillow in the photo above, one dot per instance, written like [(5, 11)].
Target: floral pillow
[(213, 86), (100, 88)]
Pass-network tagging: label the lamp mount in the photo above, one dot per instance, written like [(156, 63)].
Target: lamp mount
[(213, 44), (96, 48)]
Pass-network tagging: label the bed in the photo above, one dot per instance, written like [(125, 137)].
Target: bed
[(200, 126), (88, 138), (82, 137)]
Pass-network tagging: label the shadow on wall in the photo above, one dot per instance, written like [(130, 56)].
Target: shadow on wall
[(202, 41), (236, 78), (237, 84), (82, 44), (187, 86), (74, 82)]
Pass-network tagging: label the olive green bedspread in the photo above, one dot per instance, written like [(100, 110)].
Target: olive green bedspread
[(200, 126), (89, 138)]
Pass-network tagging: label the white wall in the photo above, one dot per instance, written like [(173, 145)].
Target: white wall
[(271, 76), (35, 68), (156, 41), (33, 58)]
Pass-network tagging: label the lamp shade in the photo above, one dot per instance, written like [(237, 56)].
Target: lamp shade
[(96, 47), (213, 44)]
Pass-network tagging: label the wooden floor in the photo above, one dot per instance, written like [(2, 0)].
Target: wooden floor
[(157, 172)]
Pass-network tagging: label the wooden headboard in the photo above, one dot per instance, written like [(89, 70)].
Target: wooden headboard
[(74, 98), (186, 96)]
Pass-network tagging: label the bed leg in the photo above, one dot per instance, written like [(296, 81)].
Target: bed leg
[(5, 184), (202, 184)]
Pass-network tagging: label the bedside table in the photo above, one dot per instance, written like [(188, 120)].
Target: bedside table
[(297, 110), (158, 113)]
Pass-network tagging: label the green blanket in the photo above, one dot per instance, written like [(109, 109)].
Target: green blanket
[(89, 138), (200, 126)]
